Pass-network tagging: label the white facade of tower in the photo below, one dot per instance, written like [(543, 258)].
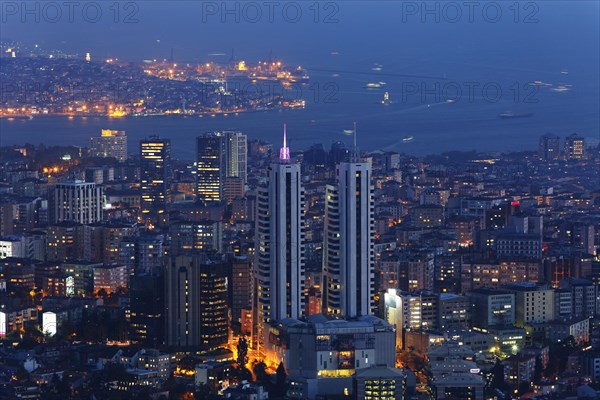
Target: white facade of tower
[(77, 201), (348, 254), (237, 155), (279, 254)]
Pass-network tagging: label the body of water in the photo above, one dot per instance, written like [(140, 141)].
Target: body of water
[(485, 67)]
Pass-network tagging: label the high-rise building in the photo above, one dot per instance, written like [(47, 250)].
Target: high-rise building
[(348, 253), (196, 302), (279, 255), (220, 155), (210, 163), (142, 254), (155, 179), (202, 235), (76, 201), (110, 144), (574, 147), (236, 149), (241, 289), (549, 147), (147, 310)]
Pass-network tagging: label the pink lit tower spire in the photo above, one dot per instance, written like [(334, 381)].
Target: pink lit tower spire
[(284, 152)]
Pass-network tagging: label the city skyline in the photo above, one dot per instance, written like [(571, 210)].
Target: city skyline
[(299, 200)]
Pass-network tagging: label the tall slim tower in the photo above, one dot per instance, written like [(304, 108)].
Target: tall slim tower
[(219, 155), (155, 178), (348, 253), (279, 259), (236, 148), (195, 302), (210, 167)]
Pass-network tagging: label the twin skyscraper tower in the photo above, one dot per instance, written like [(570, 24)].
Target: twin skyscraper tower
[(348, 261)]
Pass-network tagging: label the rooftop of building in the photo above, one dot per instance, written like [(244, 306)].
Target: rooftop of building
[(379, 372), (324, 324), (527, 286)]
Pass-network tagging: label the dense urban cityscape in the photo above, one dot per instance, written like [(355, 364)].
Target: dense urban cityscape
[(382, 200), (40, 82), (254, 271)]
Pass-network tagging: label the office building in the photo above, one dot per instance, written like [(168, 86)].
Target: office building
[(203, 235), (76, 201), (279, 255), (196, 303), (348, 252), (241, 288), (236, 155), (155, 179), (110, 143), (454, 311), (147, 310), (219, 155), (492, 308), (322, 354), (210, 167), (379, 382)]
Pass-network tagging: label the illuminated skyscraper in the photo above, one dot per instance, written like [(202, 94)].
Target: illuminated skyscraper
[(219, 155), (574, 147), (196, 302), (279, 262), (348, 253), (154, 174), (210, 171), (110, 144)]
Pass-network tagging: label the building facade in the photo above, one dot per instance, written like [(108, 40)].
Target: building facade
[(279, 256), (348, 253), (110, 143), (76, 201), (155, 179)]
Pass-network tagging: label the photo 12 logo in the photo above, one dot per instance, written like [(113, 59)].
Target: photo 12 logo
[(252, 12), (468, 91), (453, 12), (53, 12)]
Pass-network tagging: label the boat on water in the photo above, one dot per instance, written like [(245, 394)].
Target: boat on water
[(386, 99), (539, 83), (510, 114), (408, 139), (561, 88), (376, 85)]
